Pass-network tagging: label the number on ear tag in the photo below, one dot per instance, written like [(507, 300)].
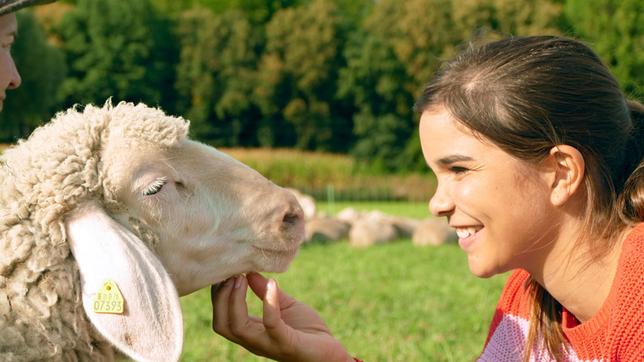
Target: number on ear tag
[(108, 299)]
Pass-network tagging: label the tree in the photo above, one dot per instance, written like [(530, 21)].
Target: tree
[(298, 77), (491, 19), (396, 51), (615, 30), (216, 76), (399, 48), (257, 11), (42, 69), (119, 49)]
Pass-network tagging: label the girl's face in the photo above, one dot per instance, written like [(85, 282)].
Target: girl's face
[(498, 204), (9, 77)]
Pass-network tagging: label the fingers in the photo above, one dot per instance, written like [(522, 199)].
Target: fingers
[(238, 309), (272, 298), (271, 305), (220, 294), (267, 290), (259, 284), (275, 326), (230, 315)]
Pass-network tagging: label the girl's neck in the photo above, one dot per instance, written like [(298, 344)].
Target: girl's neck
[(580, 284)]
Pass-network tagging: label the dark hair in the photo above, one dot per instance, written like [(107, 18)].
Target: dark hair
[(529, 94), (9, 6)]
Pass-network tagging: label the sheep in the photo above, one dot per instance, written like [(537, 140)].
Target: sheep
[(372, 228), (307, 203), (375, 227), (116, 202), (324, 228), (349, 215), (433, 231)]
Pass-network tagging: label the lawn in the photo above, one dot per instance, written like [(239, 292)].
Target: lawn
[(393, 302)]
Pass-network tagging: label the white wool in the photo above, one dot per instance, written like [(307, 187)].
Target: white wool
[(70, 174)]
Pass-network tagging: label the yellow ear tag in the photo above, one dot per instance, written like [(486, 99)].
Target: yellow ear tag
[(108, 299)]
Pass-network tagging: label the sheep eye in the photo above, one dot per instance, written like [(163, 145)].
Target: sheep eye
[(155, 186)]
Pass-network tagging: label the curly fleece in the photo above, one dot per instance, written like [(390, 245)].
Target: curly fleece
[(41, 179)]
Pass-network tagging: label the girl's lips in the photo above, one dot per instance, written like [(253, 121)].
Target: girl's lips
[(467, 242)]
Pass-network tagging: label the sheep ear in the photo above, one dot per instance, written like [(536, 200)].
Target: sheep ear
[(150, 326)]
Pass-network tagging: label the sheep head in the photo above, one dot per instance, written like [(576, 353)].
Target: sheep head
[(214, 216), (142, 206), (209, 215)]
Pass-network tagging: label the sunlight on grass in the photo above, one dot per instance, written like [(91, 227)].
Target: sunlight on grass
[(393, 302)]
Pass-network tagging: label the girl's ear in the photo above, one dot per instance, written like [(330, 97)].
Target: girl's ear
[(127, 293), (567, 167)]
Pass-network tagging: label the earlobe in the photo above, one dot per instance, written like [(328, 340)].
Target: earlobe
[(569, 171)]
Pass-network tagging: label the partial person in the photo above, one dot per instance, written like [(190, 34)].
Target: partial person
[(538, 156), (9, 75)]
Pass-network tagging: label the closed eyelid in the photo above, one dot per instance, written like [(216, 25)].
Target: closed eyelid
[(155, 185)]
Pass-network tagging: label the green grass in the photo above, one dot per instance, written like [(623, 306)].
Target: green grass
[(393, 302)]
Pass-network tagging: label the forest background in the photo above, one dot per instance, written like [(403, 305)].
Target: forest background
[(338, 76)]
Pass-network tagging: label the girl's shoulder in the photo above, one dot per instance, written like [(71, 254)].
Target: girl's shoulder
[(633, 248), (628, 287)]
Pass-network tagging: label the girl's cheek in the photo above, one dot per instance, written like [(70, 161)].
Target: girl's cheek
[(465, 191)]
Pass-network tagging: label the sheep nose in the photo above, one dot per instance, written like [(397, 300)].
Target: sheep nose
[(291, 219)]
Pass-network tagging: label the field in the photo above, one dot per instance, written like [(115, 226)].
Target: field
[(394, 302), (321, 174), (417, 210)]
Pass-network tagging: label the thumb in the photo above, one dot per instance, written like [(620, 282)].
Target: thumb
[(259, 285), (272, 318), (272, 313)]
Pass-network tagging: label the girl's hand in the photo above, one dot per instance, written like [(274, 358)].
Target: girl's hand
[(288, 331)]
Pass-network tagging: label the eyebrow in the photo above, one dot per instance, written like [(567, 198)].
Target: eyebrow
[(444, 161)]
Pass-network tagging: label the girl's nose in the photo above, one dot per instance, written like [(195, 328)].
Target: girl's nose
[(15, 80), (441, 204)]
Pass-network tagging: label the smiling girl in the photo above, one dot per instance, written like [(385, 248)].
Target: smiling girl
[(538, 157)]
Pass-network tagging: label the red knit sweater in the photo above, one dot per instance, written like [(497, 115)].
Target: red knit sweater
[(615, 333)]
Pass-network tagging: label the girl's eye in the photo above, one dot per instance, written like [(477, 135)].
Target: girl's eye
[(155, 186), (7, 44), (458, 169)]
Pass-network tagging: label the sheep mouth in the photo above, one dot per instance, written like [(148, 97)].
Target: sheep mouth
[(277, 252)]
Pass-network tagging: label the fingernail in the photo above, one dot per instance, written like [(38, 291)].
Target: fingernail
[(238, 281)]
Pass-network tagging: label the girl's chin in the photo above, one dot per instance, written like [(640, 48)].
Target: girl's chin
[(480, 269)]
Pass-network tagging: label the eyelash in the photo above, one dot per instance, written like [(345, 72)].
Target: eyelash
[(458, 169), (156, 186)]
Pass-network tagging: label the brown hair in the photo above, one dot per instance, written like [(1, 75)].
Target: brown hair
[(529, 94)]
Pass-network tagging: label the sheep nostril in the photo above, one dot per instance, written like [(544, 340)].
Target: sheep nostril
[(292, 218)]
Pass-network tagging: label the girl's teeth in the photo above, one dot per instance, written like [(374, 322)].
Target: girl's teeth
[(466, 232), (463, 233)]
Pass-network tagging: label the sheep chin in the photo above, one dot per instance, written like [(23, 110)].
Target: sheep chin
[(274, 260)]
